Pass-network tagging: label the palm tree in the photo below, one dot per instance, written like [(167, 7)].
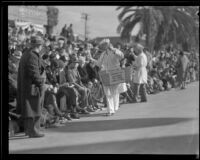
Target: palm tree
[(161, 24), (52, 15)]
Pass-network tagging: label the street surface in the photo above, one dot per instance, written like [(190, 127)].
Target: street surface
[(167, 124)]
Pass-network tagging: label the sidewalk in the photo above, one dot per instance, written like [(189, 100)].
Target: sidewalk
[(166, 124)]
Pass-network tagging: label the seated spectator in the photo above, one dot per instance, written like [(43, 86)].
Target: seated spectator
[(83, 71), (150, 83), (97, 89), (157, 82), (128, 95), (75, 78), (57, 78)]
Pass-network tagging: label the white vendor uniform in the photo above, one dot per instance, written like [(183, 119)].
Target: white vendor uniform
[(108, 61), (140, 75)]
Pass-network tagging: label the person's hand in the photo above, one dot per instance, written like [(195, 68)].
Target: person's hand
[(95, 81), (111, 47), (49, 87), (55, 90)]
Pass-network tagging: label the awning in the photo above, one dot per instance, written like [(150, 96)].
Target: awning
[(25, 25), (38, 27)]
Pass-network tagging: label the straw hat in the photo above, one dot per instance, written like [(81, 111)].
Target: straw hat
[(104, 41), (37, 40), (17, 54)]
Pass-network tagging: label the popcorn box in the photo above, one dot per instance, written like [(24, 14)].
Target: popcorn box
[(112, 77)]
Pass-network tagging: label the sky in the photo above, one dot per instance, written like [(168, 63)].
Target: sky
[(102, 21)]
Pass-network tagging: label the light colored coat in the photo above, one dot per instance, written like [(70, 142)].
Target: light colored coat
[(108, 61), (140, 76)]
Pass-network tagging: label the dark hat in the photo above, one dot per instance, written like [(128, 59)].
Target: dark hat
[(17, 54), (181, 53), (14, 40), (52, 56), (64, 58), (61, 64), (55, 63), (37, 40), (61, 38), (73, 60), (45, 56)]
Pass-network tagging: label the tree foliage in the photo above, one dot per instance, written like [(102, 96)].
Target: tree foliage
[(161, 24), (52, 16)]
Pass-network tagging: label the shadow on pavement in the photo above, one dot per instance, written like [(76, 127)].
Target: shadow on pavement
[(93, 115), (104, 125), (183, 144)]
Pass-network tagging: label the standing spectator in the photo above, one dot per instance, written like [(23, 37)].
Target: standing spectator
[(129, 57), (70, 33), (30, 88), (69, 48), (140, 76), (182, 66), (87, 52), (21, 35), (64, 31), (83, 71)]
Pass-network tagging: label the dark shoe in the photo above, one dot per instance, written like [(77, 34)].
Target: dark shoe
[(90, 109), (67, 116), (75, 116), (97, 107), (143, 100), (94, 108), (84, 111), (60, 114)]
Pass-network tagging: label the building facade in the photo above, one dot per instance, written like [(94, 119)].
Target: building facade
[(34, 15)]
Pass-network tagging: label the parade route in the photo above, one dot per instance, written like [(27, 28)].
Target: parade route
[(166, 124)]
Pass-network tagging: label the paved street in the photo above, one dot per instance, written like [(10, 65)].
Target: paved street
[(167, 124)]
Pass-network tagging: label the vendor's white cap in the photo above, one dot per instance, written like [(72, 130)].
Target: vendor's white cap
[(107, 41)]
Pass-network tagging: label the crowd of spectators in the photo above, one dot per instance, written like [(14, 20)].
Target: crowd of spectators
[(73, 85)]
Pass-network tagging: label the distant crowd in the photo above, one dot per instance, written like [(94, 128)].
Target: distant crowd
[(72, 83)]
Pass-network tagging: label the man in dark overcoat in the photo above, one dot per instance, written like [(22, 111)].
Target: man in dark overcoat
[(30, 87)]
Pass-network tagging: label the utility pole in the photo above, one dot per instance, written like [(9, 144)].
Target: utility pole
[(85, 18)]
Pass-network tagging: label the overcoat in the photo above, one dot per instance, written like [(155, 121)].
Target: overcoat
[(30, 85)]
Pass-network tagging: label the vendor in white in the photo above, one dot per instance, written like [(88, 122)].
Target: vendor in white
[(140, 76), (110, 59)]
